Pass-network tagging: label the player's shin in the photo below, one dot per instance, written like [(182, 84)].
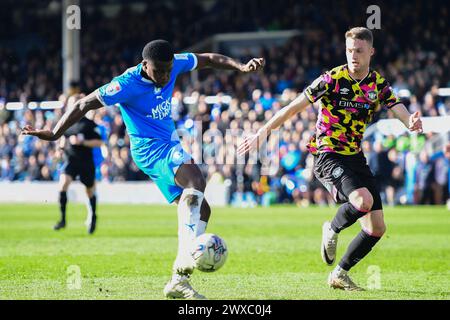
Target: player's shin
[(205, 212), (91, 220), (93, 204), (62, 205), (201, 228), (189, 226), (346, 216), (357, 250)]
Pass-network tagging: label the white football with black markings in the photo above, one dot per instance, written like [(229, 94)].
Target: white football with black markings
[(209, 252)]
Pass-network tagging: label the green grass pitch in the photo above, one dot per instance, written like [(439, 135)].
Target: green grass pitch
[(273, 254)]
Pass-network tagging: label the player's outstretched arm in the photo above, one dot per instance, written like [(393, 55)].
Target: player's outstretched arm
[(296, 106), (411, 121), (92, 143), (218, 61), (71, 116)]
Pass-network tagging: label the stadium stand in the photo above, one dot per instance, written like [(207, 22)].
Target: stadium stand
[(412, 52)]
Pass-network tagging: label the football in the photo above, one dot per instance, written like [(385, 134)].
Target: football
[(209, 252)]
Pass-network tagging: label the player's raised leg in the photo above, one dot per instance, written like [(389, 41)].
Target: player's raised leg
[(359, 203), (64, 183), (193, 216), (372, 230)]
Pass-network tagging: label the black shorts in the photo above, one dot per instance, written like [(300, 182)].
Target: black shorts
[(342, 174), (86, 172)]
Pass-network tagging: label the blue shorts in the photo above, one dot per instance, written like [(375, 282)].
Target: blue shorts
[(160, 160)]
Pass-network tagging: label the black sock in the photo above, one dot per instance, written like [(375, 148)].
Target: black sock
[(358, 249), (62, 204), (346, 216), (93, 204)]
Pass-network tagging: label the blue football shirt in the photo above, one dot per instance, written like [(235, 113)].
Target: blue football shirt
[(146, 109)]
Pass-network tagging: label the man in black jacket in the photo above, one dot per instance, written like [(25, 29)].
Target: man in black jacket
[(77, 144)]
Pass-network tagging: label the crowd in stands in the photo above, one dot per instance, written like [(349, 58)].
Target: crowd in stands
[(412, 52)]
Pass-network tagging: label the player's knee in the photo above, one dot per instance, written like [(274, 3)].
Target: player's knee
[(376, 230), (64, 186), (90, 192), (361, 199), (198, 183), (64, 182)]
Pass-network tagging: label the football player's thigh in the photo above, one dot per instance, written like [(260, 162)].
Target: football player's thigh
[(337, 176), (87, 177), (346, 184), (189, 175), (69, 174)]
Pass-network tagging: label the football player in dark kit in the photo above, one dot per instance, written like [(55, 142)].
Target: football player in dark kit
[(349, 96), (77, 144)]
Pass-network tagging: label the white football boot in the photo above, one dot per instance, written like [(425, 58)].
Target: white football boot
[(329, 244), (179, 288)]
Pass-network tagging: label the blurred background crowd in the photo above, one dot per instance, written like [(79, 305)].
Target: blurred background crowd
[(412, 52)]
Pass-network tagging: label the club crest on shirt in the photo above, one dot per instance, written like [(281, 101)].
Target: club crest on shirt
[(157, 90), (372, 95), (113, 88), (337, 172)]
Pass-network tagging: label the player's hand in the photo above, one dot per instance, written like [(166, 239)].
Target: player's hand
[(251, 142), (76, 140), (41, 134), (415, 124), (254, 65)]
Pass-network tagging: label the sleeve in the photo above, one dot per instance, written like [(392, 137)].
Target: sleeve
[(185, 62), (90, 130), (93, 133), (319, 87), (387, 96), (117, 91)]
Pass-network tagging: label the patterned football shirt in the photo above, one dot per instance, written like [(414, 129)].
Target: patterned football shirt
[(346, 107)]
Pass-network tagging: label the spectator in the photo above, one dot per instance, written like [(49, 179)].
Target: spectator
[(425, 171)]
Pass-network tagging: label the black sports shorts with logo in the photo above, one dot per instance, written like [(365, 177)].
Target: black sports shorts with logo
[(342, 174)]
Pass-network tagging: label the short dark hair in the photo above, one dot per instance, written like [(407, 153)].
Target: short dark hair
[(360, 33), (158, 50)]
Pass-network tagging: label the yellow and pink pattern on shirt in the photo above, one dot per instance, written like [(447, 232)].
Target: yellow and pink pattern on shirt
[(346, 107)]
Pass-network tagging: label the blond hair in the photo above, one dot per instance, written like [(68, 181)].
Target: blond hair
[(360, 33)]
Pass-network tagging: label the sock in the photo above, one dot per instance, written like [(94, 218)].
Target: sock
[(176, 277), (338, 271), (62, 205), (188, 227), (201, 228), (346, 216), (358, 249), (92, 206)]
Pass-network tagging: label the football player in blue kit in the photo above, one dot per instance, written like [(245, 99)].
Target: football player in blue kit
[(143, 94)]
